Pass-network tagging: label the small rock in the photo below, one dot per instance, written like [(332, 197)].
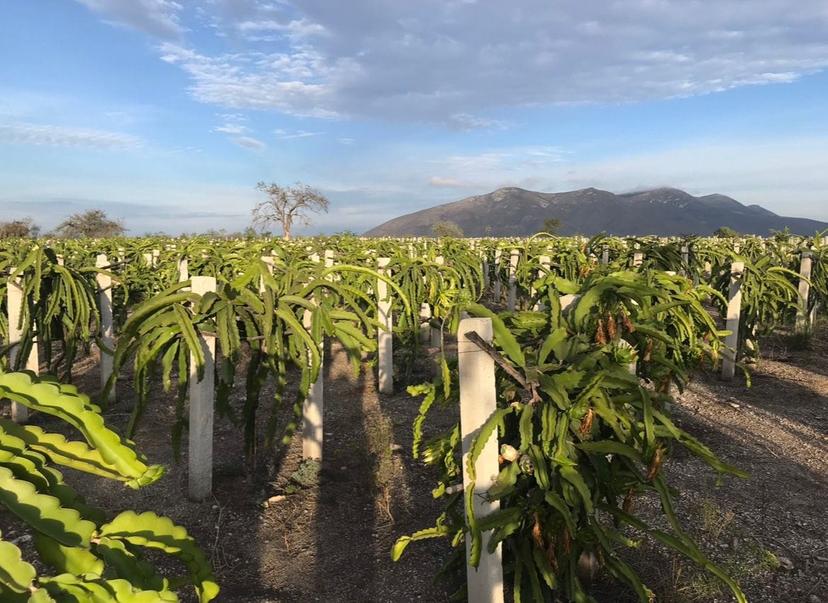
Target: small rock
[(814, 599), (734, 405), (273, 499), (396, 448), (785, 563), (23, 538), (823, 559)]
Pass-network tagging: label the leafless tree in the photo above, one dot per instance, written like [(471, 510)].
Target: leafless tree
[(92, 223), (18, 229), (286, 205)]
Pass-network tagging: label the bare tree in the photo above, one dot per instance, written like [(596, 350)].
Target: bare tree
[(446, 228), (286, 205), (92, 223), (19, 229)]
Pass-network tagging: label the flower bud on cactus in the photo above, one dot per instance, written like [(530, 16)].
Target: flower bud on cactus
[(509, 453)]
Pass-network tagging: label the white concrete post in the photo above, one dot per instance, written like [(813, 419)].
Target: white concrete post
[(104, 282), (638, 257), (313, 406), (478, 400), (147, 258), (485, 271), (268, 260), (385, 334), (546, 263), (734, 310), (425, 328), (605, 256), (436, 334), (511, 300), (156, 253), (497, 284), (183, 270), (202, 395), (803, 324), (685, 258), (15, 301)]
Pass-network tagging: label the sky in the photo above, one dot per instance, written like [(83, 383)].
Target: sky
[(166, 113)]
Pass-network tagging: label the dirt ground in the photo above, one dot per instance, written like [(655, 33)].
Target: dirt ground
[(272, 539)]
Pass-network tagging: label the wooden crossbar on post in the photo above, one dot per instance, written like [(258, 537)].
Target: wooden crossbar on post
[(734, 310), (385, 334), (104, 282), (478, 400), (202, 395)]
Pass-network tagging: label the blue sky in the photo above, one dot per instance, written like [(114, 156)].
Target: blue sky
[(167, 112)]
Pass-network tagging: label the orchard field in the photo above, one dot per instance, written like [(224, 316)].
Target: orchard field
[(348, 419)]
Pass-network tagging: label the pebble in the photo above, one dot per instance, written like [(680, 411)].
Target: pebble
[(814, 599), (785, 563), (274, 499)]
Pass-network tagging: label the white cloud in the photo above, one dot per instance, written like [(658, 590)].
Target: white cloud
[(51, 135), (441, 182), (345, 140), (456, 63), (249, 142), (288, 135), (158, 18), (231, 129), (295, 29)]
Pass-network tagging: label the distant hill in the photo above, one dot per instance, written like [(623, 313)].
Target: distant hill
[(662, 211)]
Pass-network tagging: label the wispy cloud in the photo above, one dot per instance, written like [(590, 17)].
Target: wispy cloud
[(287, 135), (441, 182), (51, 135), (158, 18), (248, 142)]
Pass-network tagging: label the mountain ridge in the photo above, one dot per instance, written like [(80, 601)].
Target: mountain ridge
[(663, 211)]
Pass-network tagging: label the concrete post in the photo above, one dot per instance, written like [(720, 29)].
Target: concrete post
[(313, 406), (546, 263), (497, 284), (104, 282), (734, 310), (202, 394), (183, 270), (437, 334), (478, 400), (638, 257), (385, 334), (511, 300), (15, 306), (803, 323)]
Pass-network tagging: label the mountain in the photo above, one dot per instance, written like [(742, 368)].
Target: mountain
[(662, 211)]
